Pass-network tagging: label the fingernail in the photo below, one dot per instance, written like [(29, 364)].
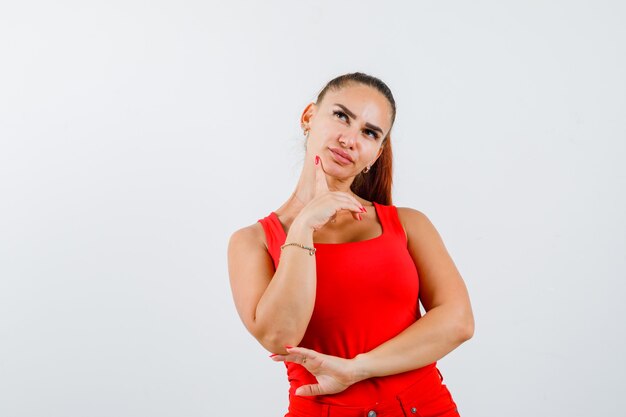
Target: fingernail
[(273, 354), (359, 216), (363, 210), (317, 159), (288, 347)]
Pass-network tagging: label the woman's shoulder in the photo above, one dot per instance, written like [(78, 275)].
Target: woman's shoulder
[(409, 212), (412, 218), (418, 227), (248, 236)]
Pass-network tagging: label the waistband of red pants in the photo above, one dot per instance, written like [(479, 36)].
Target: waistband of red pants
[(408, 402)]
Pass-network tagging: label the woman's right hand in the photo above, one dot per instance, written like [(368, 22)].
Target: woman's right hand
[(326, 204)]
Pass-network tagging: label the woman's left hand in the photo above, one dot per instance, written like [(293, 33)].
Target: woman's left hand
[(333, 374)]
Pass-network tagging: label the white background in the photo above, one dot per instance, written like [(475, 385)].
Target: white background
[(136, 136)]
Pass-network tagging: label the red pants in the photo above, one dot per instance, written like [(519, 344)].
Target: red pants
[(427, 397)]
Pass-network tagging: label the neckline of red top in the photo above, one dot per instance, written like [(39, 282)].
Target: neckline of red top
[(380, 236)]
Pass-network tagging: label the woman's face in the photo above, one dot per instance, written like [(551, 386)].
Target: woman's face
[(352, 122)]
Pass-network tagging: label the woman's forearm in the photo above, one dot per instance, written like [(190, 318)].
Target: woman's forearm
[(284, 311), (427, 340)]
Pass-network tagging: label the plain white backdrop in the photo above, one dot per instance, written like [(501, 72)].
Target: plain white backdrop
[(136, 136)]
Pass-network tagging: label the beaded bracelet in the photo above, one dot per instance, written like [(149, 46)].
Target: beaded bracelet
[(311, 250)]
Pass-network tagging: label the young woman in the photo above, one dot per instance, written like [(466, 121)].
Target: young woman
[(330, 282)]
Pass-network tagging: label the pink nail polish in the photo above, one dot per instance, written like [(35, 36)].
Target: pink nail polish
[(359, 216), (317, 159), (363, 210), (273, 354), (288, 347)]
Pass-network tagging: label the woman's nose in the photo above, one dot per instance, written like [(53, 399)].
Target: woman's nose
[(349, 137)]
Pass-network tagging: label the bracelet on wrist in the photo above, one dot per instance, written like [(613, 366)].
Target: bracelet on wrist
[(311, 250)]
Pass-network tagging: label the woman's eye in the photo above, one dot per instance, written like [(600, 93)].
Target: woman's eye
[(340, 114), (374, 135)]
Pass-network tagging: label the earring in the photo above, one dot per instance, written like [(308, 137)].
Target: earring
[(366, 170)]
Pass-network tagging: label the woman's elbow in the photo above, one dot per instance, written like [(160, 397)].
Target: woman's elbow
[(466, 327), (462, 323), (275, 341)]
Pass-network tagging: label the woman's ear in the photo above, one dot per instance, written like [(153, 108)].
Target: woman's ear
[(307, 114), (377, 155)]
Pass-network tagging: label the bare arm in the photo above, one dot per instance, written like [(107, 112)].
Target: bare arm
[(448, 321), (274, 305)]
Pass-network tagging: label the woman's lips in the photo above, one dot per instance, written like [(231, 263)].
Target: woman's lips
[(341, 159)]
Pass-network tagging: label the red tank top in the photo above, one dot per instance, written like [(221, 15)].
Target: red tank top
[(367, 293)]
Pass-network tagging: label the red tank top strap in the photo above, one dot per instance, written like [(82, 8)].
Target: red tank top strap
[(390, 222), (274, 235)]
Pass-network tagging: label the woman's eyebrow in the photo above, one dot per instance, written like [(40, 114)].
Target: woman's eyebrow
[(349, 113)]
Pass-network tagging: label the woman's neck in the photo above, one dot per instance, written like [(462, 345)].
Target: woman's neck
[(305, 190)]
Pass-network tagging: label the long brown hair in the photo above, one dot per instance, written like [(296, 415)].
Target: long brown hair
[(375, 185)]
